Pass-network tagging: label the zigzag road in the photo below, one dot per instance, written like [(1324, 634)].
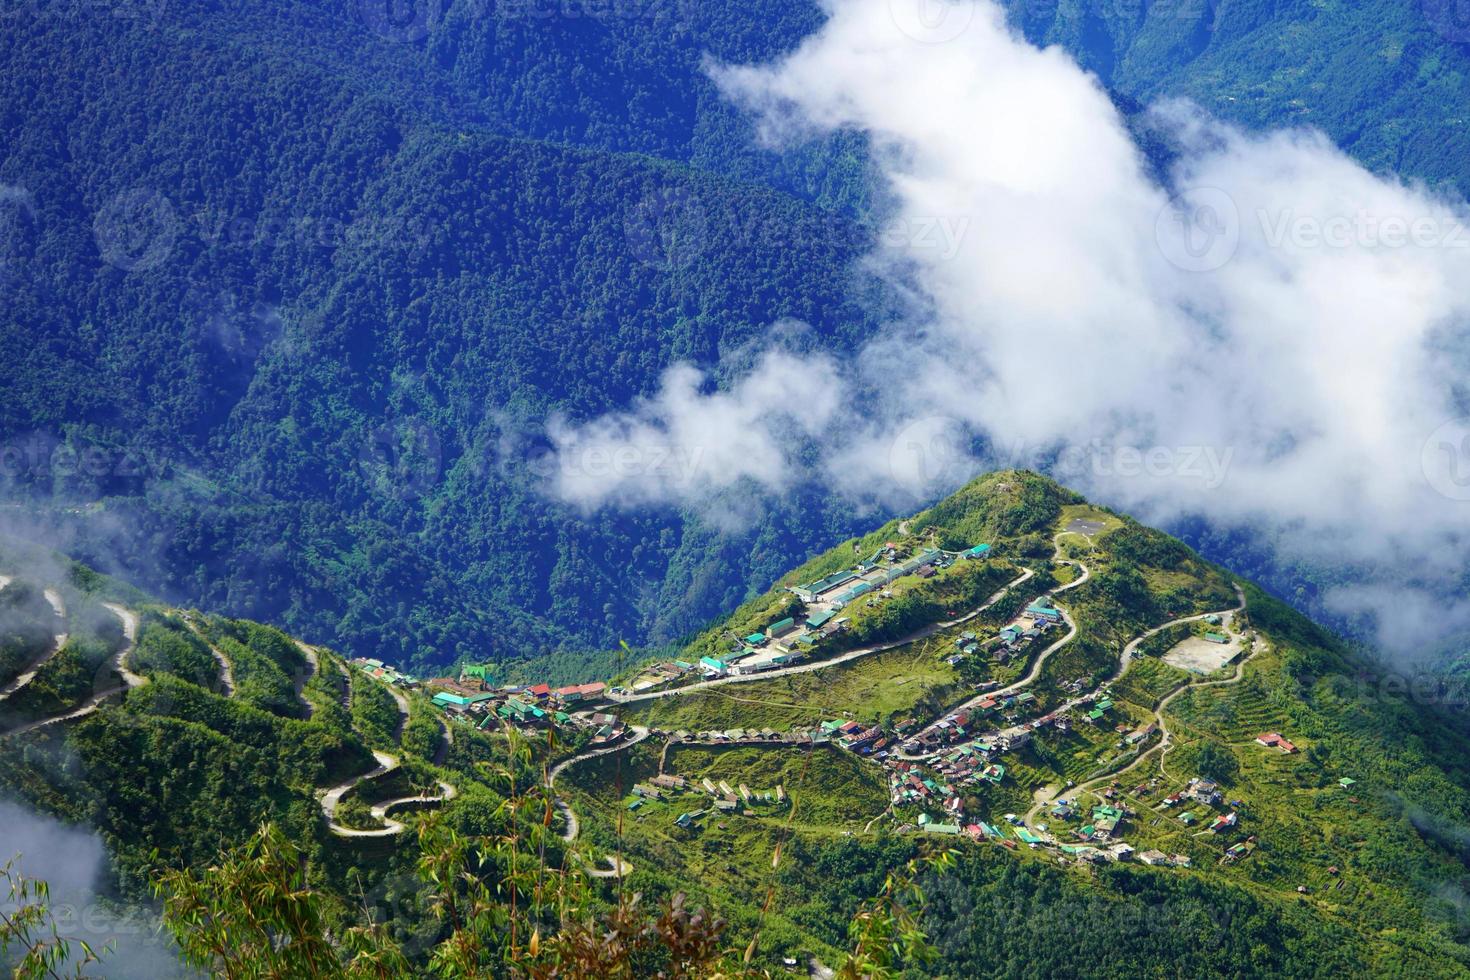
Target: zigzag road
[(57, 642), (1159, 719), (118, 664)]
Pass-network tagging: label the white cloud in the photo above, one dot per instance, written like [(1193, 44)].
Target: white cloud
[(1275, 330), (684, 443)]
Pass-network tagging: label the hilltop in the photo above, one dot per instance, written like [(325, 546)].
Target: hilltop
[(1084, 710), (1133, 761)]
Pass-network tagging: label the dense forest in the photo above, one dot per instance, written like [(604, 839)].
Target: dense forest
[(291, 292)]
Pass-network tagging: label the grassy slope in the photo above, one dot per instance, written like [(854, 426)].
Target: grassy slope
[(1398, 847)]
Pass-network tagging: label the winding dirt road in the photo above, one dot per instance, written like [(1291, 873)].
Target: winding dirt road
[(226, 669), (117, 663), (313, 662), (573, 828), (1166, 737), (57, 642)]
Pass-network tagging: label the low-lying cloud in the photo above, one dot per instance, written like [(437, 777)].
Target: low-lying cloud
[(72, 862), (1267, 336)]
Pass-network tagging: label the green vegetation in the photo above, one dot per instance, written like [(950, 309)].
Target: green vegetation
[(28, 627), (1345, 856), (78, 671), (166, 645), (871, 689)]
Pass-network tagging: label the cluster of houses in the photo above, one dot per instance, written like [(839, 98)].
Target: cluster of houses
[(967, 722), (724, 798), (782, 643), (380, 671), (1039, 617), (910, 784), (1205, 792), (527, 706), (660, 674), (885, 566)]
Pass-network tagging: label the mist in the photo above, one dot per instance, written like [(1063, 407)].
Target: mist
[(1257, 333), (72, 861)]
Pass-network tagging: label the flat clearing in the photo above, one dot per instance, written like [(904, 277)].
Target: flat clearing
[(1200, 656), (1081, 525)]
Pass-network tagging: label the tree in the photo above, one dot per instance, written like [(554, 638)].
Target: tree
[(26, 925)]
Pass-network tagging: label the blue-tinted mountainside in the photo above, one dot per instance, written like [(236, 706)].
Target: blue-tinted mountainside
[(1387, 80), (314, 316), (303, 283)]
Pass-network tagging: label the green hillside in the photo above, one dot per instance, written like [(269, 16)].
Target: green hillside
[(1343, 853)]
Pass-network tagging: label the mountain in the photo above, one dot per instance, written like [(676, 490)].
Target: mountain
[(1326, 799), (306, 309), (1385, 80), (293, 292)]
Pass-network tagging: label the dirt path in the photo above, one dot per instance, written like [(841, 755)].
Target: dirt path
[(314, 663), (1031, 674), (118, 663), (573, 827), (226, 669), (917, 636), (403, 709), (618, 869), (386, 764), (1166, 737), (57, 642), (441, 754)]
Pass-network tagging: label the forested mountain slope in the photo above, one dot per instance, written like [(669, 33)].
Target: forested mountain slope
[(303, 282), (313, 324), (1386, 80)]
